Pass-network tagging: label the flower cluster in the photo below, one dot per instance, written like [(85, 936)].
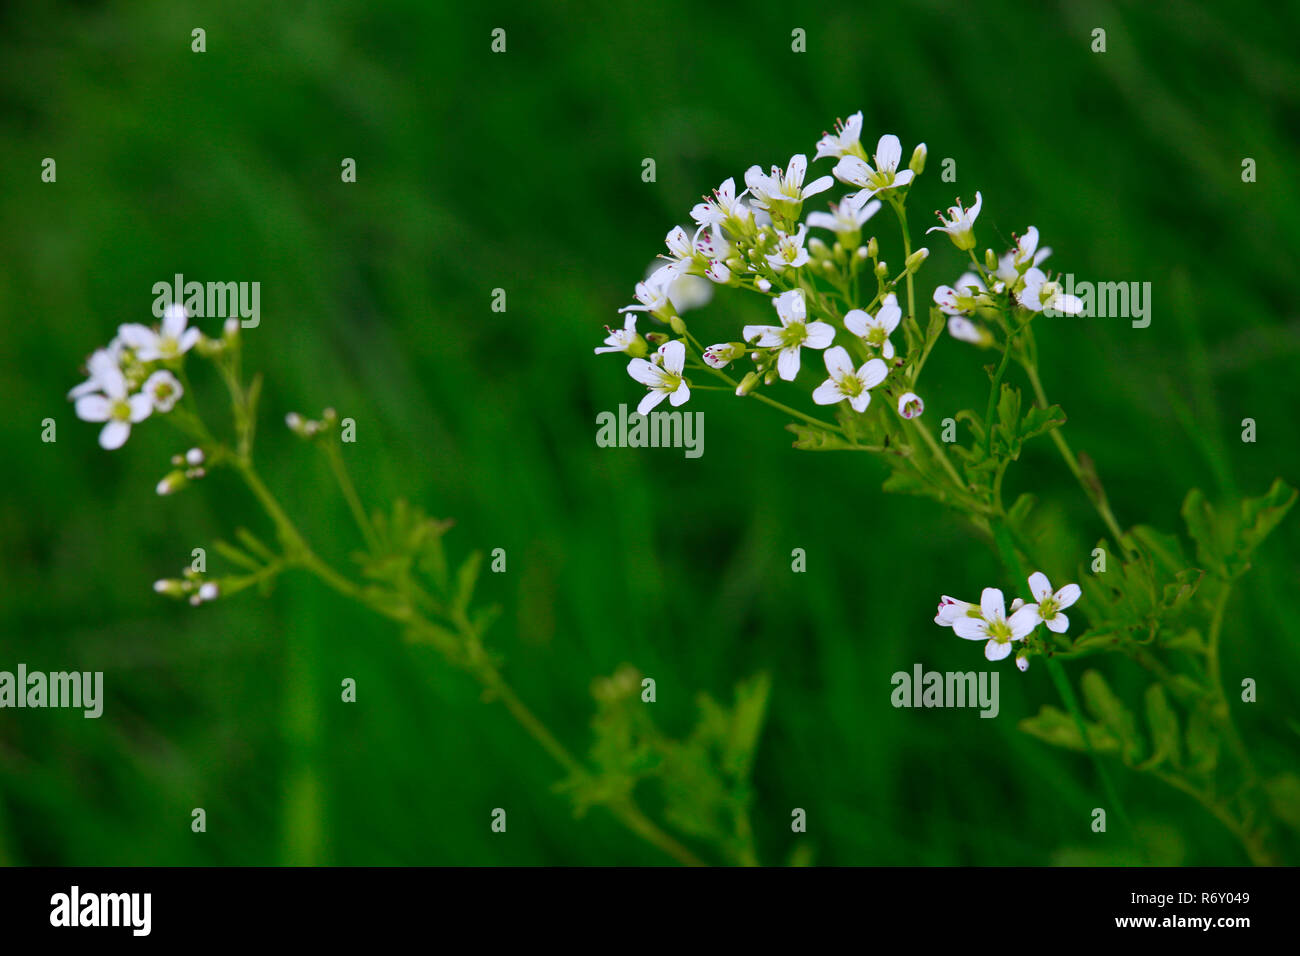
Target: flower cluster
[(988, 620), (830, 290), (135, 375)]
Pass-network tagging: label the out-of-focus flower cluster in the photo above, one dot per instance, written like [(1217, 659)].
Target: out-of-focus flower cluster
[(988, 620)]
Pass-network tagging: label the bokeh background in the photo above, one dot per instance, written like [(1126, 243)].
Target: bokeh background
[(523, 171)]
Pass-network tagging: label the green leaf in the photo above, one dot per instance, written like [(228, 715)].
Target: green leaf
[(1056, 727), (1039, 421), (1259, 516), (1284, 798), (466, 578), (1202, 741), (1201, 524), (1107, 708), (812, 438), (1163, 722)]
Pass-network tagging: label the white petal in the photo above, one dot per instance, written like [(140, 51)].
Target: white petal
[(860, 401), (1023, 621), (820, 335), (1067, 595), (1039, 586), (838, 362), (141, 405), (643, 371), (903, 178), (674, 354), (787, 363), (819, 185), (1059, 624), (888, 152), (797, 169), (114, 435), (970, 628), (852, 170), (856, 322), (890, 314), (827, 393), (872, 373), (992, 604), (997, 652), (93, 408), (680, 395)]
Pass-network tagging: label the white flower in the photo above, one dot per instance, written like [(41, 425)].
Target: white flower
[(794, 332), (875, 330), (784, 189), (103, 365), (886, 174), (845, 383), (910, 405), (843, 141), (171, 341), (723, 354), (960, 224), (962, 299), (663, 376), (789, 252), (621, 340), (1027, 250), (115, 407), (994, 627), (163, 390), (1049, 606), (950, 609), (681, 251), (846, 217), (1042, 293), (724, 205), (652, 294)]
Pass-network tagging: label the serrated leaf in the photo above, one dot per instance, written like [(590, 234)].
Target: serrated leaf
[(1059, 729), (1039, 421), (811, 438)]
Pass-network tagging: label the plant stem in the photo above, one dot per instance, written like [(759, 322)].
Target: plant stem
[(625, 810)]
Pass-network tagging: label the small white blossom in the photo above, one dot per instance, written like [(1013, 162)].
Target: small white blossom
[(910, 405), (101, 366), (724, 205), (843, 141), (875, 330), (163, 390), (885, 175), (723, 354), (652, 294), (847, 216), (171, 341), (663, 376), (1050, 605), (784, 189), (963, 298), (994, 627), (950, 609), (847, 383), (790, 252), (794, 332), (114, 406), (621, 340), (1042, 293), (960, 223)]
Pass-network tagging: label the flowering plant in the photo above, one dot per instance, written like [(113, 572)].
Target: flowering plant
[(838, 303)]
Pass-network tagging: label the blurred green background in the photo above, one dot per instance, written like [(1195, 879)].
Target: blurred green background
[(523, 171)]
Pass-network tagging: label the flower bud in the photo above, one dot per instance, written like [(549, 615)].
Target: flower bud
[(917, 164), (910, 405), (873, 248), (170, 587), (208, 591), (172, 482), (677, 325), (656, 338), (195, 456), (882, 270), (818, 249), (723, 354), (748, 383), (1022, 663), (915, 259), (763, 285), (990, 261)]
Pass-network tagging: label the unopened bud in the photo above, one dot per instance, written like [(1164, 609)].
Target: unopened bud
[(915, 259), (990, 261), (748, 383), (917, 165), (882, 270), (172, 482), (677, 325), (873, 248)]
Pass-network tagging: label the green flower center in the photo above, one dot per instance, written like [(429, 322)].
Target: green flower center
[(1000, 631), (794, 334), (120, 411)]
